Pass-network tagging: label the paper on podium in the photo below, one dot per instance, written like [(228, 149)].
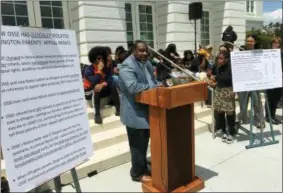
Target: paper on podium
[(179, 74)]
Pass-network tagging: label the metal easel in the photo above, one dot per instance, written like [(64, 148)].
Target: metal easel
[(263, 141), (58, 185)]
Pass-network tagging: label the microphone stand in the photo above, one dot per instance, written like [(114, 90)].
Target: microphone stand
[(190, 74), (234, 45), (169, 69)]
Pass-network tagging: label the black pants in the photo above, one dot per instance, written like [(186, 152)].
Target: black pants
[(273, 96), (110, 92), (208, 101), (220, 122), (138, 141)]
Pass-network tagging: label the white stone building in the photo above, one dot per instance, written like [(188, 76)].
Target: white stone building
[(115, 23)]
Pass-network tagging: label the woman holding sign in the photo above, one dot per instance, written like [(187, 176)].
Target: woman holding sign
[(275, 94), (252, 43)]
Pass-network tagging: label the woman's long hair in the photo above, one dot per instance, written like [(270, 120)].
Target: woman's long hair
[(155, 55), (256, 39), (187, 52), (226, 56), (97, 51), (171, 48), (279, 41)]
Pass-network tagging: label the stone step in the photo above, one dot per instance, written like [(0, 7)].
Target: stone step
[(108, 138), (110, 142), (110, 149)]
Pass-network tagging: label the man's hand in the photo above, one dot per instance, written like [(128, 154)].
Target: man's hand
[(98, 87)]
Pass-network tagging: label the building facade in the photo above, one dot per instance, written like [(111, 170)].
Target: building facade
[(254, 15), (115, 23)]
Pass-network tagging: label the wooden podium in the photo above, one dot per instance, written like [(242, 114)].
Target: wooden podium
[(172, 137)]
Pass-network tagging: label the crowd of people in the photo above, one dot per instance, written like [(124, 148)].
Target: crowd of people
[(101, 78), (138, 69)]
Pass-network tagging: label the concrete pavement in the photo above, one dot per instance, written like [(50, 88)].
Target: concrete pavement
[(224, 167)]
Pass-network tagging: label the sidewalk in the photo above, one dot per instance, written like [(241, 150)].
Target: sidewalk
[(224, 167)]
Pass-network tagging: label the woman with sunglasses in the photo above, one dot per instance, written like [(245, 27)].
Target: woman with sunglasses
[(99, 78)]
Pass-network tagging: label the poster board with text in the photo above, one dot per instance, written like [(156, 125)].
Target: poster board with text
[(256, 70), (44, 125)]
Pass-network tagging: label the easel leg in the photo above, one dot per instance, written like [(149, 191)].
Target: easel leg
[(57, 184), (269, 117), (76, 180), (244, 108), (262, 141), (261, 119), (241, 118), (251, 120)]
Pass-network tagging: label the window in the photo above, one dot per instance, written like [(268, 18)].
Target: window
[(129, 25), (146, 24), (250, 6), (14, 13), (52, 14), (205, 29), (139, 23)]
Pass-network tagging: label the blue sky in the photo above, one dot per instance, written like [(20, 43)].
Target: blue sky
[(272, 11), (271, 6)]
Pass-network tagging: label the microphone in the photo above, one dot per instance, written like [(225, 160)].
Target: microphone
[(168, 72), (189, 73)]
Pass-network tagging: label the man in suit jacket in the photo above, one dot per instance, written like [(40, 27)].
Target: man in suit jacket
[(136, 75)]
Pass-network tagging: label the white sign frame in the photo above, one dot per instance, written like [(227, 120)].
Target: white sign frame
[(65, 129), (252, 70)]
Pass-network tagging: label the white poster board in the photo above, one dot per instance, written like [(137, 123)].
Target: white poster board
[(44, 126), (256, 70)]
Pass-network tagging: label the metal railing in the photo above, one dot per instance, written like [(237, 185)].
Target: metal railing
[(191, 74)]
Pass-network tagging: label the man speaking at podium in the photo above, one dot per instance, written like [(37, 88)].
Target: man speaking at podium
[(136, 75)]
